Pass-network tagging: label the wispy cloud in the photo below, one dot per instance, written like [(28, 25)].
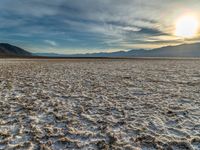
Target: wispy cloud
[(52, 43)]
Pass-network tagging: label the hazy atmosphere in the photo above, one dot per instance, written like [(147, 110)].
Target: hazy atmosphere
[(75, 26)]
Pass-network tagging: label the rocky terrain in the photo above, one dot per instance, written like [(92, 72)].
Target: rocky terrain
[(100, 104)]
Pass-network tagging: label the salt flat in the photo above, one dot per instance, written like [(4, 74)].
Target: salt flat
[(100, 104)]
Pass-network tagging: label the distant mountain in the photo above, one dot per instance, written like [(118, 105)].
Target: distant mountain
[(131, 53), (50, 55), (113, 54), (184, 50), (7, 50)]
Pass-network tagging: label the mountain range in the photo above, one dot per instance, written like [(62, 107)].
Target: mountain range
[(7, 50), (184, 50)]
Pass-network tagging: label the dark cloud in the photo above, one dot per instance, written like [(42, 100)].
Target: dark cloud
[(151, 31)]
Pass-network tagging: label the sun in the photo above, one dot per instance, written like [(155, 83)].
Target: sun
[(187, 26)]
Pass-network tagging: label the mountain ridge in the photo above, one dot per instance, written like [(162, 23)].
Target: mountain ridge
[(8, 50), (183, 50)]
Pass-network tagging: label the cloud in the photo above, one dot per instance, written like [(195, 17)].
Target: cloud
[(89, 24), (52, 43), (151, 31)]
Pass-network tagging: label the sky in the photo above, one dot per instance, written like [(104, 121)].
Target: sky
[(88, 26)]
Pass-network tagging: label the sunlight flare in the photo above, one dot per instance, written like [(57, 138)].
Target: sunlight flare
[(187, 26)]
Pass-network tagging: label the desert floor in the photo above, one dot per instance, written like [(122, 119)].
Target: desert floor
[(100, 104)]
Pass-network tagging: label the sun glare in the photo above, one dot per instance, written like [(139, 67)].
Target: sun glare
[(187, 26)]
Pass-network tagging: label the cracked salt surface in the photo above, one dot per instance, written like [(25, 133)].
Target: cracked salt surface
[(100, 104)]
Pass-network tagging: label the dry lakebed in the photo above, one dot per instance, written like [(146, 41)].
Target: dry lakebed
[(133, 104)]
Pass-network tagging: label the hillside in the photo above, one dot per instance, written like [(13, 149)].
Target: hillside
[(7, 50)]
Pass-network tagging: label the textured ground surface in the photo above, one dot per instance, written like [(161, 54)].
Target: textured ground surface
[(100, 104)]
